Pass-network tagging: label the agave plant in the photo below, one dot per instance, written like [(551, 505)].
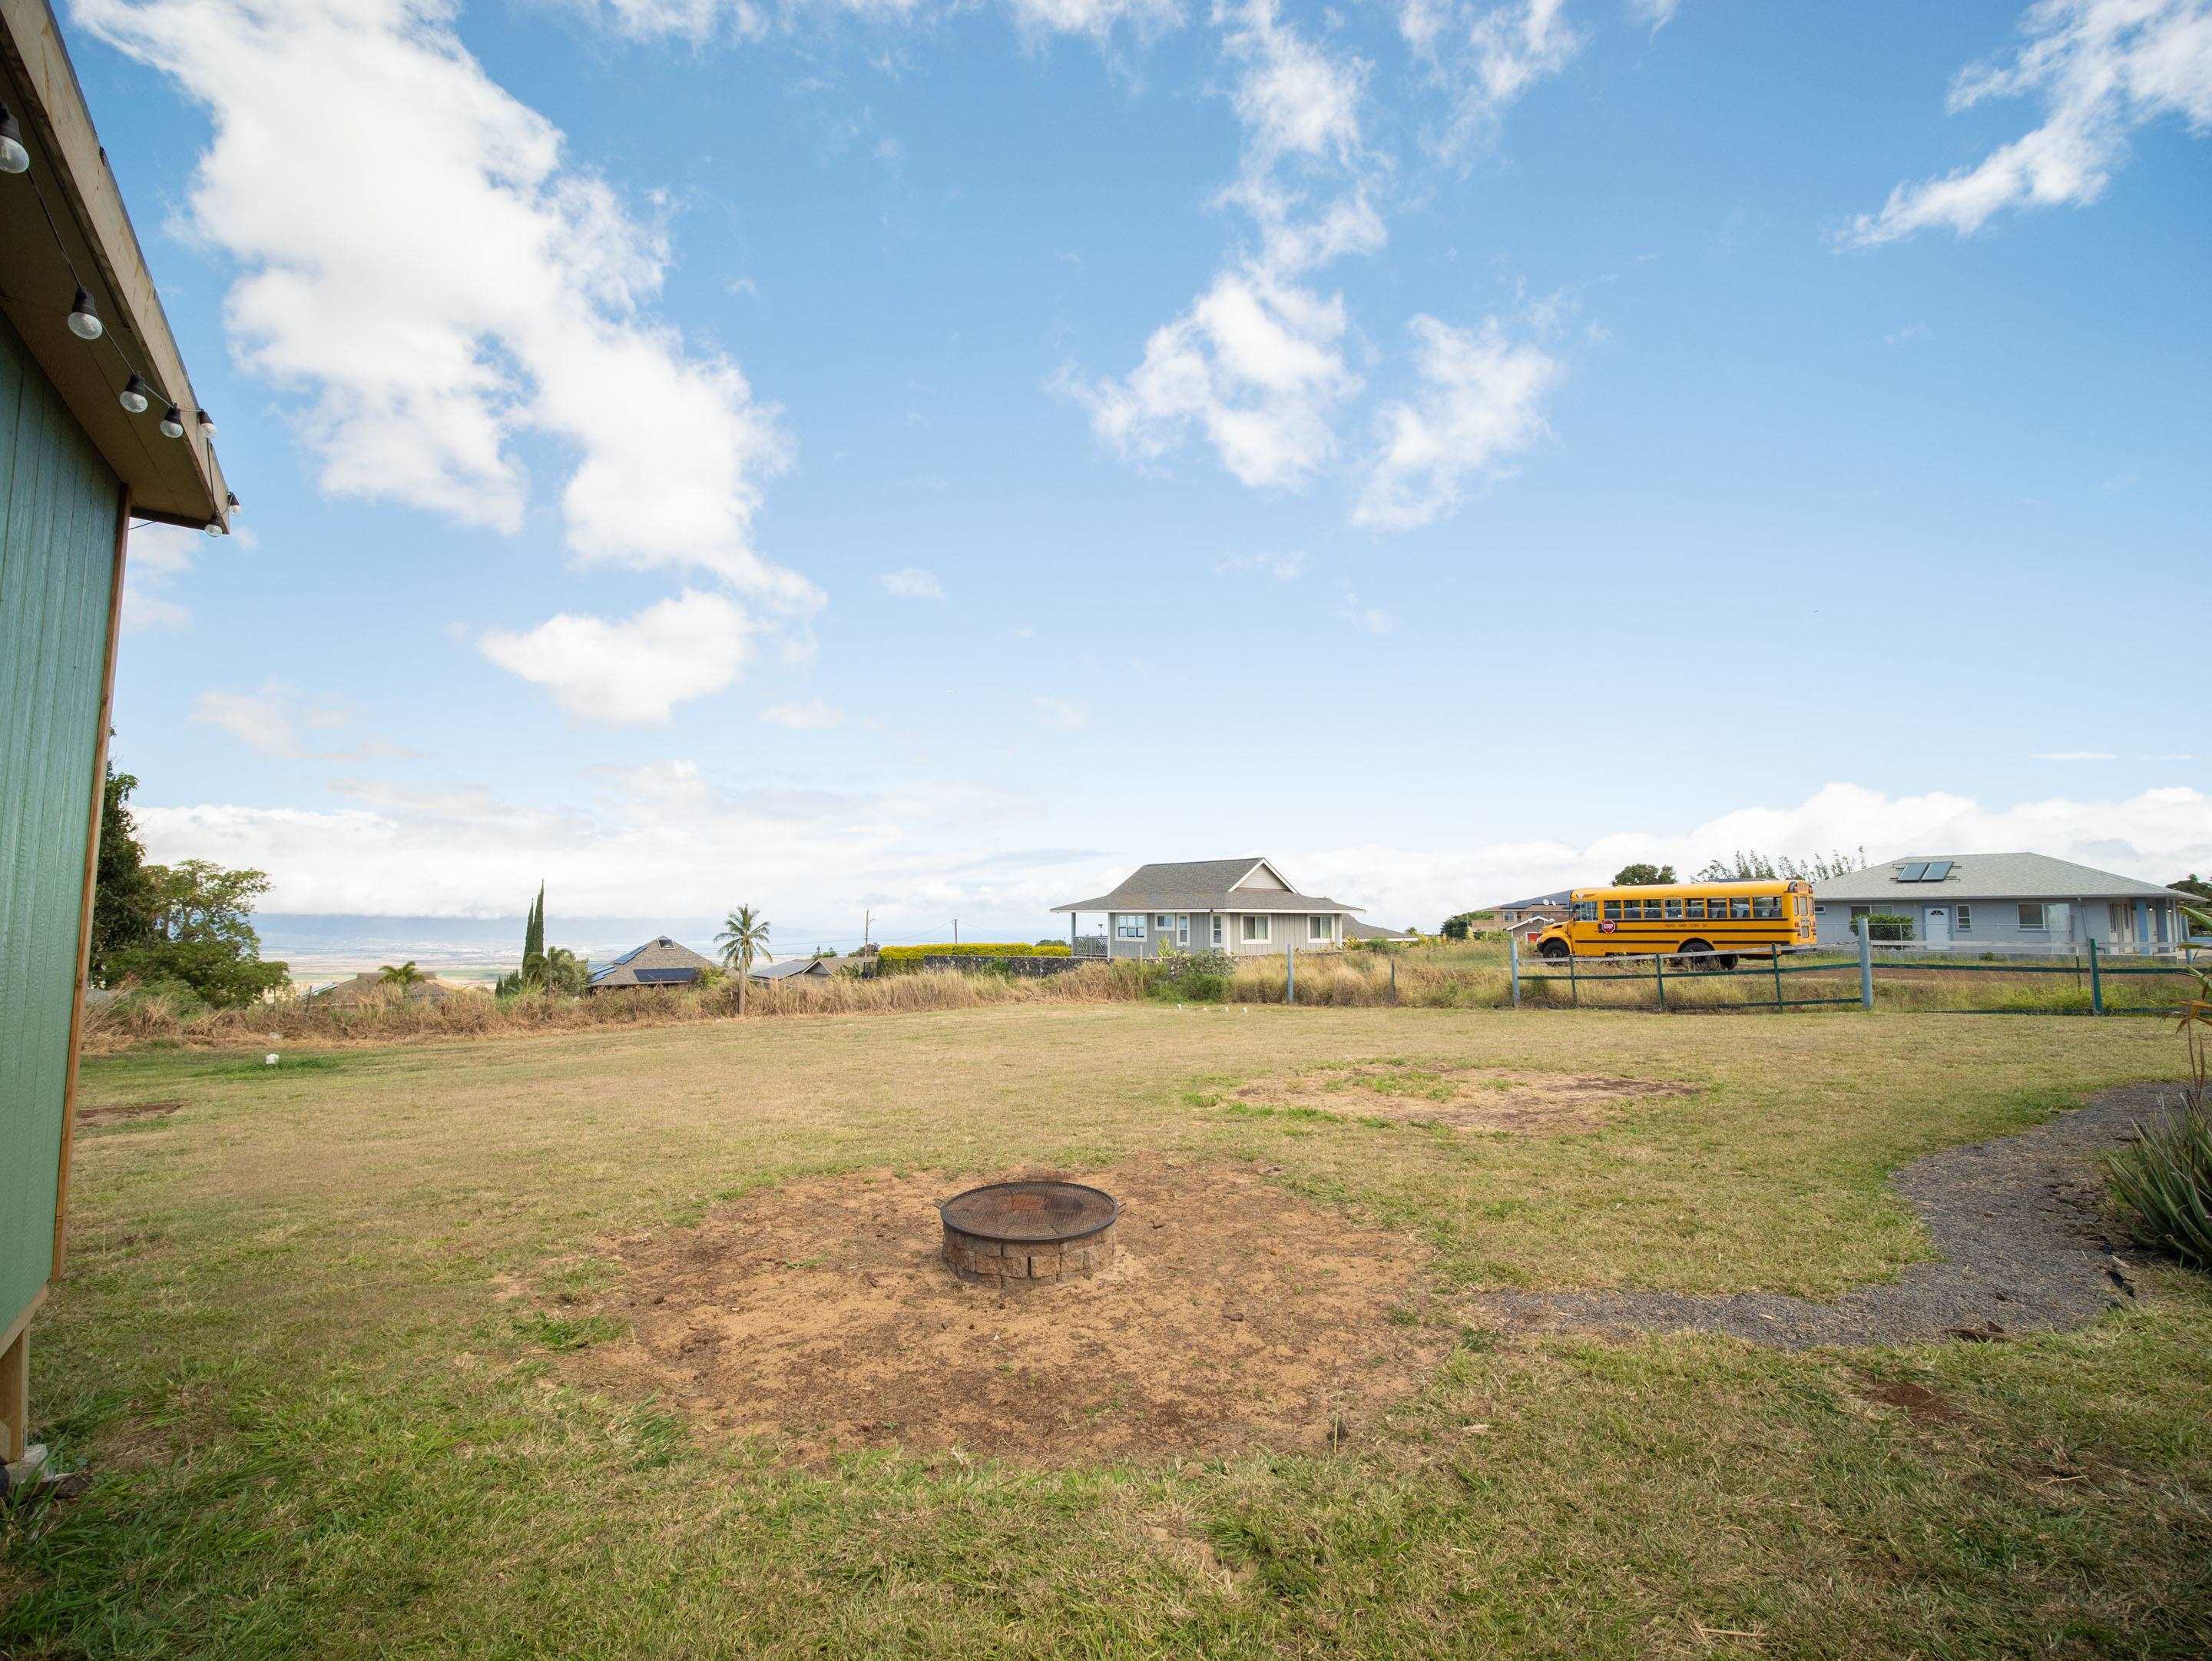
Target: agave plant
[(2163, 1180)]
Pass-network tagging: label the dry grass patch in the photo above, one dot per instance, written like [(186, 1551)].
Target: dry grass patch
[(1463, 1097), (1234, 1317)]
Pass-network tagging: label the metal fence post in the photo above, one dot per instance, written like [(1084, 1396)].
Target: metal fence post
[(1394, 978), (1513, 963), (1775, 953), (1659, 968), (1290, 973), (1866, 967), (2096, 981), (1574, 986)]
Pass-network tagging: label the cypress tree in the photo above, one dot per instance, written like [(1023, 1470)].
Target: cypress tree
[(533, 931)]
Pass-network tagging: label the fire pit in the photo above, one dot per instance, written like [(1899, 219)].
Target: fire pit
[(1006, 1233)]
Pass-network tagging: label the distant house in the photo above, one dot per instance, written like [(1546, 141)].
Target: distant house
[(371, 987), (658, 963), (1542, 908), (1356, 930), (1245, 907), (2000, 900), (795, 968)]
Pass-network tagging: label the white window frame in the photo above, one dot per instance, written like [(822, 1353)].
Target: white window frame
[(1962, 919), (1321, 925), (1257, 931), (1220, 931), (1163, 924), (1122, 920), (2042, 923)]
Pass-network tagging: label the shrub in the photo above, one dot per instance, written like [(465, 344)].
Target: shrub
[(914, 955), (1191, 977), (1888, 926), (2163, 1181)]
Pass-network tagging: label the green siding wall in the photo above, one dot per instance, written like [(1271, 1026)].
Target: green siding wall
[(57, 502)]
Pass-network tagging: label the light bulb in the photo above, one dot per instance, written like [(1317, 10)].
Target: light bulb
[(207, 424), (230, 502), (83, 321), (14, 158), (215, 527), (172, 423), (136, 395)]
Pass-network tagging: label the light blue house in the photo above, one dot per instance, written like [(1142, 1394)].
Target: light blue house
[(2001, 901)]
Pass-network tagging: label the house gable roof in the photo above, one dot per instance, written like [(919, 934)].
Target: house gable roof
[(1991, 877), (1204, 885), (659, 962)]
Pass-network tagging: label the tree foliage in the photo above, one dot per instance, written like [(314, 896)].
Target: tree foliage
[(1641, 875), (1458, 927), (743, 938), (1755, 867), (200, 935), (123, 895)]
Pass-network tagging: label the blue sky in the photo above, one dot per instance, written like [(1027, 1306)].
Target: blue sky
[(929, 458)]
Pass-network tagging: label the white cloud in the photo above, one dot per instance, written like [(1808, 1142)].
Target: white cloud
[(1069, 714), (1257, 364), (1657, 13), (2156, 835), (2101, 69), (468, 287), (1284, 567), (1370, 619), (268, 722), (2075, 755), (808, 715), (911, 583), (1480, 405), (1909, 331), (702, 20), (1487, 55), (158, 557), (635, 669)]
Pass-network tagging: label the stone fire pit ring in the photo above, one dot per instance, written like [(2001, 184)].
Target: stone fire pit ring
[(1022, 1233)]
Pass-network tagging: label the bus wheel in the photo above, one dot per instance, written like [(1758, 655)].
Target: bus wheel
[(1726, 960), (1553, 949), (1686, 961)]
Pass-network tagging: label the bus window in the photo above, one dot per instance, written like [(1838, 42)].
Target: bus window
[(1585, 910), (1694, 909), (1673, 909), (1738, 909), (1766, 905), (1613, 910)]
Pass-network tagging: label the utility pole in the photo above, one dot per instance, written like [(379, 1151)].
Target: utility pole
[(955, 931), (868, 921)]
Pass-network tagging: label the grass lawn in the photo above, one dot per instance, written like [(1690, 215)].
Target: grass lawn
[(329, 1334)]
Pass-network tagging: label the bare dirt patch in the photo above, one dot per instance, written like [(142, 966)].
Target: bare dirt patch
[(112, 1112), (1463, 1097), (1921, 1405), (1236, 1316)]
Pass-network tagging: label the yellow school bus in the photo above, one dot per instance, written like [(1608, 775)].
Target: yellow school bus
[(1707, 921)]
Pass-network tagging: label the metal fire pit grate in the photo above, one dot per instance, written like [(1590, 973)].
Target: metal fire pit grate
[(1029, 1231)]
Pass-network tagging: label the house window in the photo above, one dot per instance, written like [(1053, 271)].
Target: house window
[(1128, 926), (1218, 931), (1163, 923), (1965, 920), (1256, 928), (2032, 916), (1318, 928)]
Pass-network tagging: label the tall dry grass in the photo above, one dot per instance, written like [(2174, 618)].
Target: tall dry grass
[(143, 1019)]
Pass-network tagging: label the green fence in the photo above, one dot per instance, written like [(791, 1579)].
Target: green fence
[(1585, 979)]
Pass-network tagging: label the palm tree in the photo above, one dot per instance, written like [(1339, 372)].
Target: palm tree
[(743, 938), (400, 976)]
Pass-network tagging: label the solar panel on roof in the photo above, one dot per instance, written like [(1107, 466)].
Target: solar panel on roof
[(1937, 870), (1911, 873), (661, 977)]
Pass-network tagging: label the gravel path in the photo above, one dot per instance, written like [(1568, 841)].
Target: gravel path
[(2021, 1245)]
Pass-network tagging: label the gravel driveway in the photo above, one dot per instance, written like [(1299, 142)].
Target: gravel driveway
[(2022, 1246)]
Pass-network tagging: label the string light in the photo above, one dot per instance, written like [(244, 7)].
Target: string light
[(230, 501), (207, 424), (14, 158), (84, 322), (172, 423), (135, 396)]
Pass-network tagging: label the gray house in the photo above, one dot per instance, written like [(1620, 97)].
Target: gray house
[(657, 963), (1245, 907), (2002, 901)]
